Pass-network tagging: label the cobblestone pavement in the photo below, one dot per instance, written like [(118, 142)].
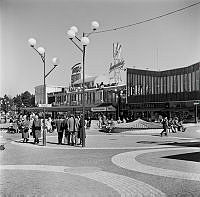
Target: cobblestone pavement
[(60, 170)]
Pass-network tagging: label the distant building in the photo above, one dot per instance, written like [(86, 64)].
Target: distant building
[(39, 92), (169, 93)]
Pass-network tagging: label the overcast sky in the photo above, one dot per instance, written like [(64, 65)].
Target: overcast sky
[(170, 42)]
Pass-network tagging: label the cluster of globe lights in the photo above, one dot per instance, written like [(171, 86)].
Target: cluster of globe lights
[(41, 50), (84, 40)]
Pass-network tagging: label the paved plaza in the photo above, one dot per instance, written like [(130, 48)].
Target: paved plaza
[(132, 163)]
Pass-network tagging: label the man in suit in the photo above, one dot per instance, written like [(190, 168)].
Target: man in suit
[(66, 131), (73, 126), (60, 129)]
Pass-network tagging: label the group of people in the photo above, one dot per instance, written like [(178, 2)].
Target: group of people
[(30, 125), (109, 123), (70, 128), (172, 125)]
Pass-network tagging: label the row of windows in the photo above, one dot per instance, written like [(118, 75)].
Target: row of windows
[(147, 84), (91, 97), (76, 98)]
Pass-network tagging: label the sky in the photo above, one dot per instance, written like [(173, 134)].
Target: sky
[(166, 43)]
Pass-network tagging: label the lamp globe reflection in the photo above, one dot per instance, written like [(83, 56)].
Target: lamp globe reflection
[(74, 29), (41, 50), (71, 34), (85, 41), (32, 42), (55, 61), (94, 25)]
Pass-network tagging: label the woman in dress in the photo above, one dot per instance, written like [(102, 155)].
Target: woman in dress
[(25, 128)]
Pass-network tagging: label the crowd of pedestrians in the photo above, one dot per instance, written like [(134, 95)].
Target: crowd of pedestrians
[(172, 125), (69, 128)]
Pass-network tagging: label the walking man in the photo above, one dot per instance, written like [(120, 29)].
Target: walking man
[(165, 126)]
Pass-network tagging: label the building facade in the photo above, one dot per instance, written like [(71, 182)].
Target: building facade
[(39, 92), (171, 92)]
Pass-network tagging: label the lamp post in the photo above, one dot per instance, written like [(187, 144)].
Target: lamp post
[(42, 54), (84, 41), (196, 111), (119, 94)]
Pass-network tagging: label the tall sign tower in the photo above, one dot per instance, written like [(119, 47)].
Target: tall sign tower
[(76, 73), (118, 64)]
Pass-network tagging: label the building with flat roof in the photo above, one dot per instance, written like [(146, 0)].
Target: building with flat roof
[(39, 92), (170, 92)]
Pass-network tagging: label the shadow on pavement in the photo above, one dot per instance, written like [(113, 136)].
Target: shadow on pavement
[(21, 142), (172, 143), (186, 144), (187, 157)]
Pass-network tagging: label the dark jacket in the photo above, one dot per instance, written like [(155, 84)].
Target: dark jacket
[(59, 125)]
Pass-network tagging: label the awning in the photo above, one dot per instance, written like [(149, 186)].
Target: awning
[(109, 108)]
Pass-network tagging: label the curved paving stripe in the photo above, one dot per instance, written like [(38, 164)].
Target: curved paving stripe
[(125, 186), (67, 147), (128, 161)]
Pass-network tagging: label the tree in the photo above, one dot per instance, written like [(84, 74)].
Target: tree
[(26, 98), (18, 101), (6, 103)]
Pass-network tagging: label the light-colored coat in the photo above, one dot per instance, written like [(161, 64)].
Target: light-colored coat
[(73, 124)]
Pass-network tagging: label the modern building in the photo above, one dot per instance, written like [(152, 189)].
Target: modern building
[(39, 92), (171, 92), (127, 92)]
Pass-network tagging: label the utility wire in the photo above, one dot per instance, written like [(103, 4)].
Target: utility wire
[(147, 20)]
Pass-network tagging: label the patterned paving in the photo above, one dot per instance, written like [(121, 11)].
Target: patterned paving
[(125, 186), (128, 161)]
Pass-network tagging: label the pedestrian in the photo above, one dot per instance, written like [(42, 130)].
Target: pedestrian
[(81, 127), (170, 125), (36, 129), (66, 131), (53, 125), (165, 126), (100, 121), (60, 129), (73, 126), (88, 122), (48, 125), (175, 124), (25, 128)]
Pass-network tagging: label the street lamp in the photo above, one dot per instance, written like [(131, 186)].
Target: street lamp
[(84, 41), (41, 51), (196, 111), (119, 94)]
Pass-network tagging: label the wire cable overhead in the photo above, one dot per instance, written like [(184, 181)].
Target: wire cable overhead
[(147, 20)]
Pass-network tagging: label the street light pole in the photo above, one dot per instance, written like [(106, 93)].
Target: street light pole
[(85, 41), (83, 140), (196, 111), (44, 98), (41, 52)]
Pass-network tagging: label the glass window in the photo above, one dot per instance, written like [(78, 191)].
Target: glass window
[(193, 81), (161, 85), (168, 84), (164, 84), (143, 85), (178, 83), (149, 85), (140, 84), (197, 80), (171, 84), (190, 81), (133, 86), (174, 84), (182, 83), (185, 82)]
